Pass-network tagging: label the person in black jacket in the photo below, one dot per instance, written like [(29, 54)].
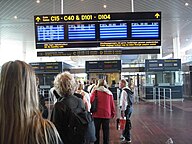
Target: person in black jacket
[(65, 85)]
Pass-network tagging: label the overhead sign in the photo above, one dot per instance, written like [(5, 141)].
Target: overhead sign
[(47, 67), (103, 66), (98, 52), (138, 29), (163, 65)]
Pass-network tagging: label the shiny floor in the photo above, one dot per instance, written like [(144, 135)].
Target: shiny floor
[(152, 124)]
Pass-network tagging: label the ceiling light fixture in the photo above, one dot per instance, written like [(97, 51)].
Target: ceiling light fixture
[(38, 1), (15, 17), (186, 4), (105, 6)]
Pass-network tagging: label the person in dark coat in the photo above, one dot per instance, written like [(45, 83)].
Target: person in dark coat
[(65, 85)]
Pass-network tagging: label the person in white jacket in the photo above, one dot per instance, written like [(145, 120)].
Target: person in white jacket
[(126, 101)]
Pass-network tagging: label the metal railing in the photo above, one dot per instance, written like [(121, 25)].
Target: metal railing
[(162, 96)]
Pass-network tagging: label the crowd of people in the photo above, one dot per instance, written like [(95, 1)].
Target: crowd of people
[(24, 116)]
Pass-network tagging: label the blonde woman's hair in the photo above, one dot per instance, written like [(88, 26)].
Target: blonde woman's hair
[(80, 86), (102, 82), (20, 119), (65, 84)]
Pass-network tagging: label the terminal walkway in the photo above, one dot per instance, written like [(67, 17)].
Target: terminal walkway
[(152, 124)]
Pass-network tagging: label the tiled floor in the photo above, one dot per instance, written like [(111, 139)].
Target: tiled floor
[(152, 124)]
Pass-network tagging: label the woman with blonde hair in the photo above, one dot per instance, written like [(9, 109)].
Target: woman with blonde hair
[(105, 110), (85, 96), (20, 119), (63, 110)]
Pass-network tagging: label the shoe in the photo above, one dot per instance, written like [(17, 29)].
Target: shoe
[(122, 137), (124, 141)]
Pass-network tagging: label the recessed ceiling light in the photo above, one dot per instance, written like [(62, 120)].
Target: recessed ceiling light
[(105, 6), (186, 4), (15, 17), (38, 1), (82, 0)]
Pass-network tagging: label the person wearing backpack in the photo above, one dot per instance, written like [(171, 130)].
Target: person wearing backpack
[(69, 114), (126, 102)]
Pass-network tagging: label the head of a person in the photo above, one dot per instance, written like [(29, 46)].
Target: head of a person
[(19, 103), (122, 83), (18, 90), (102, 82), (65, 84), (113, 82), (80, 86)]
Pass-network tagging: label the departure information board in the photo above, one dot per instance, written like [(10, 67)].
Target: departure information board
[(47, 67), (103, 66), (145, 30), (82, 32), (50, 33), (131, 29), (98, 52), (163, 65)]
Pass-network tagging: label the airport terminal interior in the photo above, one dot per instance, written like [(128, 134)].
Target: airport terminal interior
[(146, 42)]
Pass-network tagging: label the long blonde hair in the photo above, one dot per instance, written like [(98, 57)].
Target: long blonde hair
[(20, 119)]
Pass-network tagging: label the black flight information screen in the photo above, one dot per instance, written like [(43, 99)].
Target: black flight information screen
[(131, 29)]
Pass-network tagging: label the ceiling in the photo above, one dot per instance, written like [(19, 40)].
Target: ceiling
[(176, 21)]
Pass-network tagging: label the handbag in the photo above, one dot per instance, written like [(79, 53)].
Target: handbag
[(90, 131), (94, 103)]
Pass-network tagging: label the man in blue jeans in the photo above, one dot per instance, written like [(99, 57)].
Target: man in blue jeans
[(126, 101)]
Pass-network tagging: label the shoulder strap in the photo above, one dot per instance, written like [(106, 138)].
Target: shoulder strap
[(129, 93), (56, 94), (92, 88)]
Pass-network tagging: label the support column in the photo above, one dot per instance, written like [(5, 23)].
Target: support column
[(176, 52), (176, 47), (24, 49), (132, 6), (62, 6)]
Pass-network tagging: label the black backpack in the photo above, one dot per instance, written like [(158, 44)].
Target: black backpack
[(78, 120)]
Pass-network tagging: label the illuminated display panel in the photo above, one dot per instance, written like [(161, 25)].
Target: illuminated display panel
[(145, 30), (47, 67), (138, 29), (50, 32), (103, 66), (113, 30), (81, 32), (162, 64)]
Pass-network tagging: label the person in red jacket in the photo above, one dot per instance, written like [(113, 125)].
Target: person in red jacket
[(105, 110)]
